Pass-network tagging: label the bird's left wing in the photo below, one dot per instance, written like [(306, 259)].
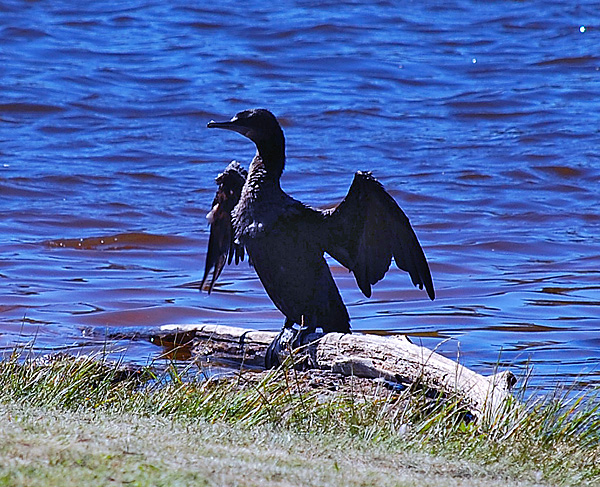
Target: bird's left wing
[(367, 228), (221, 245)]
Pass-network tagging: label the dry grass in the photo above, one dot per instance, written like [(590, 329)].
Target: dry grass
[(42, 447), (84, 422)]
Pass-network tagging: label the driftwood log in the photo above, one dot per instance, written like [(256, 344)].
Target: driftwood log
[(395, 359)]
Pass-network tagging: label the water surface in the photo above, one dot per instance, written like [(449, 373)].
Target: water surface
[(481, 119)]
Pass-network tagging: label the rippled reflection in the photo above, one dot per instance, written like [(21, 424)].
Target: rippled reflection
[(107, 170)]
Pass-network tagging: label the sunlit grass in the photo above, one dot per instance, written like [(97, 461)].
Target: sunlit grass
[(555, 439)]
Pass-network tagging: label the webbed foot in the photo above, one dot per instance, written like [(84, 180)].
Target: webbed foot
[(287, 340)]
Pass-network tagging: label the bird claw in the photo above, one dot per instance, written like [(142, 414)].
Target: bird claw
[(281, 347)]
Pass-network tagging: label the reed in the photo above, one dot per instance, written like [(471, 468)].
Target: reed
[(553, 439)]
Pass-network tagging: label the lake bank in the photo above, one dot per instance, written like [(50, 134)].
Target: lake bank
[(79, 422)]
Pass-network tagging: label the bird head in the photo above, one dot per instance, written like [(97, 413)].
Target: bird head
[(262, 128)]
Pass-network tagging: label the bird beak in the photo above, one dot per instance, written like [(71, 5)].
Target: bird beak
[(232, 124), (219, 125)]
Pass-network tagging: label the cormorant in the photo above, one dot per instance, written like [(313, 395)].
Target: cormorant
[(286, 240)]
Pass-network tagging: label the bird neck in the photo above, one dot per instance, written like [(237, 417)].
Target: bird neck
[(264, 173), (271, 158)]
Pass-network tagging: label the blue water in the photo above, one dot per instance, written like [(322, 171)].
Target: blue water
[(481, 119)]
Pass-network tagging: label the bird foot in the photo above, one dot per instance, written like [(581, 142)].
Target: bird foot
[(288, 339)]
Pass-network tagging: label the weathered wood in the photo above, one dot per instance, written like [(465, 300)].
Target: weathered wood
[(397, 359), (394, 359)]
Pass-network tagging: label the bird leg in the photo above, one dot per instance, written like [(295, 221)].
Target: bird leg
[(280, 346), (303, 333), (288, 339)]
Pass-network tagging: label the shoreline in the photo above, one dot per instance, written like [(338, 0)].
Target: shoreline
[(82, 422)]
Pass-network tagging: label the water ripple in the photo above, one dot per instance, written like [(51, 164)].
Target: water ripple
[(481, 122)]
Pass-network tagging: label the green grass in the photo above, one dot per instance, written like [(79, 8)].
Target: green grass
[(87, 422)]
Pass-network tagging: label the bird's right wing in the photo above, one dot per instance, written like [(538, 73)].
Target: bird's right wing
[(221, 245)]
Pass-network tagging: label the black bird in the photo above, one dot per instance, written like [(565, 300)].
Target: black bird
[(286, 240)]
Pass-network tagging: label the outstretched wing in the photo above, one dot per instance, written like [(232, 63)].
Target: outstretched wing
[(367, 228), (221, 245)]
